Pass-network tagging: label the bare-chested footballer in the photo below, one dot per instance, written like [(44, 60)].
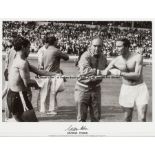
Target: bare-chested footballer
[(19, 79), (129, 65)]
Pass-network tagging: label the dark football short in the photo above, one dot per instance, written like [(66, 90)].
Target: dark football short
[(15, 104)]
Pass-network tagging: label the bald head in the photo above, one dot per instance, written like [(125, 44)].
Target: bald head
[(97, 40), (96, 46)]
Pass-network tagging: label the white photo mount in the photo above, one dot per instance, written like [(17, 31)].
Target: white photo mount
[(69, 127)]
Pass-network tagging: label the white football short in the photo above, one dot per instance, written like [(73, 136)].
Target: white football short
[(131, 95)]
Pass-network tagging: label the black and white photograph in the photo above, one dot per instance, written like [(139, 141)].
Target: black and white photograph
[(77, 77), (76, 71)]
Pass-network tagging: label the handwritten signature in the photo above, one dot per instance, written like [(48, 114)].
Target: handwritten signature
[(72, 128)]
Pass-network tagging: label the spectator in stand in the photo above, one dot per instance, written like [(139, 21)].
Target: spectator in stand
[(75, 36)]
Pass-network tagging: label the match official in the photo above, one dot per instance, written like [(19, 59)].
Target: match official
[(88, 91)]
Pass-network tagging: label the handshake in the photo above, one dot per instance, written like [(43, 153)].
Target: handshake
[(113, 71)]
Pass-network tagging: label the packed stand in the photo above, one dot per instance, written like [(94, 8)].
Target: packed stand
[(74, 38)]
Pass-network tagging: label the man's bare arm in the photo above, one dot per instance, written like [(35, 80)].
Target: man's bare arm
[(7, 59), (24, 73), (110, 66), (40, 72)]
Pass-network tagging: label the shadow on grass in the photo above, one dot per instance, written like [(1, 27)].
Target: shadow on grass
[(68, 113)]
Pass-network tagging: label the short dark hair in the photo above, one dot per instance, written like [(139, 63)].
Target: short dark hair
[(20, 42), (50, 40), (125, 41), (45, 39)]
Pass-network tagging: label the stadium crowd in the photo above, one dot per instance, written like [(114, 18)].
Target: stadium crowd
[(74, 38)]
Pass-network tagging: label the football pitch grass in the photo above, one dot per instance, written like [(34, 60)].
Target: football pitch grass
[(111, 111)]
